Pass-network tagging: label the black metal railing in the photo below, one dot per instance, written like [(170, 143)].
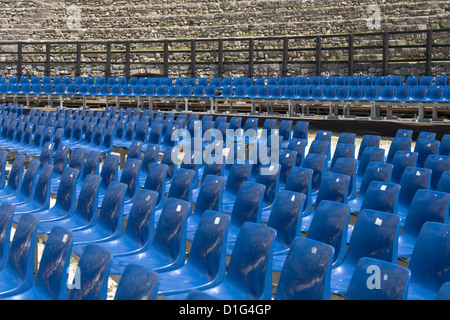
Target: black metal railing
[(381, 49)]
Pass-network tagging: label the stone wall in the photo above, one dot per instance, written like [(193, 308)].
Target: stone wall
[(82, 20)]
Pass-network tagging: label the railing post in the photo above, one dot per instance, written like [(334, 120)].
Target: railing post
[(220, 59), (350, 54), (429, 52), (285, 57), (385, 67), (193, 58), (166, 59), (318, 56), (251, 56), (127, 59), (47, 59), (108, 60), (78, 63), (19, 60)]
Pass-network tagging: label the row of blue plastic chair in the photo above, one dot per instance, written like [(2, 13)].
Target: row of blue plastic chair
[(440, 80), (399, 94)]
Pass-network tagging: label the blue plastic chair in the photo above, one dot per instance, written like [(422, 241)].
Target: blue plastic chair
[(325, 135), (413, 179), (398, 144), (424, 148), (268, 176), (375, 171), (375, 279), (109, 173), (248, 257), (368, 140), (342, 150), (206, 264), (137, 283), (91, 166), (168, 249), (400, 161), (375, 236), (86, 212), (6, 215), (381, 196), (285, 131), (245, 208), (18, 274), (438, 165), (209, 198), (91, 278), (285, 217), (318, 163), (306, 271), (347, 166), (330, 225), (429, 262), (300, 180), (138, 234), (51, 277), (109, 225), (287, 160), (156, 181), (370, 154), (334, 188), (238, 174), (427, 205)]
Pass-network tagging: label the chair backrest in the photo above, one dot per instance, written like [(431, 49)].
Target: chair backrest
[(438, 164), (237, 175), (92, 164), (343, 150), (424, 148), (208, 250), (318, 163), (381, 196), (210, 194), (285, 217), (375, 279), (140, 223), (110, 217), (87, 205), (306, 271), (370, 154), (110, 169), (60, 158), (374, 235), (249, 256), (300, 180), (398, 144), (6, 215), (334, 188), (269, 176), (400, 161), (130, 176), (368, 140), (329, 225), (93, 271), (430, 259), (444, 147), (347, 166), (150, 157), (137, 283), (170, 232), (248, 204), (156, 180), (287, 160), (51, 278), (375, 171), (29, 179), (66, 195), (182, 184), (413, 179), (426, 205), (22, 250)]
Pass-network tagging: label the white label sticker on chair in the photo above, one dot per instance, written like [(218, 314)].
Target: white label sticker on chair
[(407, 155), (383, 187), (217, 220), (378, 221), (418, 173), (314, 250), (271, 168), (385, 277), (293, 198), (179, 208), (64, 239), (287, 155)]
